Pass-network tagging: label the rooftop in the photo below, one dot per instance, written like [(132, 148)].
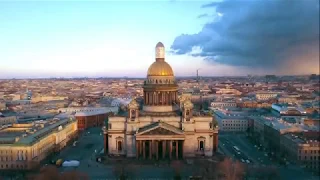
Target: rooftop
[(27, 133), (300, 140)]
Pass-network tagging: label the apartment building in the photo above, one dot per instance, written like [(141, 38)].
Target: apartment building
[(90, 116), (300, 150), (221, 104), (3, 105), (231, 121), (266, 95), (8, 120), (23, 146)]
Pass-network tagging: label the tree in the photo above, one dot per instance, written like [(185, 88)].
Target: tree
[(123, 171), (52, 173), (268, 172), (231, 170), (177, 166)]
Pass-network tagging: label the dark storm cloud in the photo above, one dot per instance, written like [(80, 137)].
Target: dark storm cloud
[(256, 33)]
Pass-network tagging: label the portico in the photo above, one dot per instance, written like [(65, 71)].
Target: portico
[(159, 149), (159, 141)]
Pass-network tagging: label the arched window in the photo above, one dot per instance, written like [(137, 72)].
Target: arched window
[(156, 81), (133, 113), (201, 145)]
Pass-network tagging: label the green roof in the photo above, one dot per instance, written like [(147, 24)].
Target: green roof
[(31, 138)]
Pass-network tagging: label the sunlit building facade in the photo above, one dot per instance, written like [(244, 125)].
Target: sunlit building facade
[(164, 127), (23, 146)]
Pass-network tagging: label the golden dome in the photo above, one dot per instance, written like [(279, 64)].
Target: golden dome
[(160, 68)]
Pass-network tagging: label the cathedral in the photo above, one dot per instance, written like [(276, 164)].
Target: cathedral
[(165, 127)]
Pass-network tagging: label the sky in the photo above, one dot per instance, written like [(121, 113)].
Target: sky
[(117, 38)]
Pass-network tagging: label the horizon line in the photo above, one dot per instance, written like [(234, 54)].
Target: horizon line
[(139, 77)]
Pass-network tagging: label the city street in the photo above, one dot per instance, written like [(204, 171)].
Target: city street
[(257, 156), (84, 150)]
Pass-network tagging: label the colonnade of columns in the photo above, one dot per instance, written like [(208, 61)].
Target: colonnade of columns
[(160, 98), (159, 149)]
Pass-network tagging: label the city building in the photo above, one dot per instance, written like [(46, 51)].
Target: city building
[(3, 105), (223, 104), (300, 150), (44, 98), (231, 121), (23, 146), (229, 90), (90, 116), (160, 128), (266, 95), (7, 120), (288, 110)]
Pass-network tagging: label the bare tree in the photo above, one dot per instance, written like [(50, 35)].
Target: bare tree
[(123, 171), (267, 173), (231, 170), (52, 173), (177, 166)]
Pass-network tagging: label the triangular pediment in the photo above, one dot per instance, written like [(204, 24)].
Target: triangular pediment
[(159, 131), (159, 128)]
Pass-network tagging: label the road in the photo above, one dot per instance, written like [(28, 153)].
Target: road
[(258, 156), (84, 151)]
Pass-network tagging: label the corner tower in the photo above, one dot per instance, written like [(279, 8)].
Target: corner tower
[(160, 88)]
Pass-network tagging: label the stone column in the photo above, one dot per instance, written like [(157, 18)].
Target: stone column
[(157, 150), (144, 149), (162, 98), (182, 146), (106, 144), (140, 148), (177, 149), (163, 149), (150, 149), (170, 149), (137, 149)]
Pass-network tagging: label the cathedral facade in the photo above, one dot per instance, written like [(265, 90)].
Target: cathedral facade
[(165, 127)]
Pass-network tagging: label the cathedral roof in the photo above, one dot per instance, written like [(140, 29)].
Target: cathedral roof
[(160, 68)]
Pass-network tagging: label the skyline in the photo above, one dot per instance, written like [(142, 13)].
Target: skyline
[(109, 39)]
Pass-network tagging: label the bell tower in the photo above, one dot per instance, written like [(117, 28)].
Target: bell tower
[(133, 110), (187, 110)]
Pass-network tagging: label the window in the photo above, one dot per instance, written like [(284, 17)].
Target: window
[(109, 126), (201, 146), (133, 113), (210, 125), (119, 146)]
